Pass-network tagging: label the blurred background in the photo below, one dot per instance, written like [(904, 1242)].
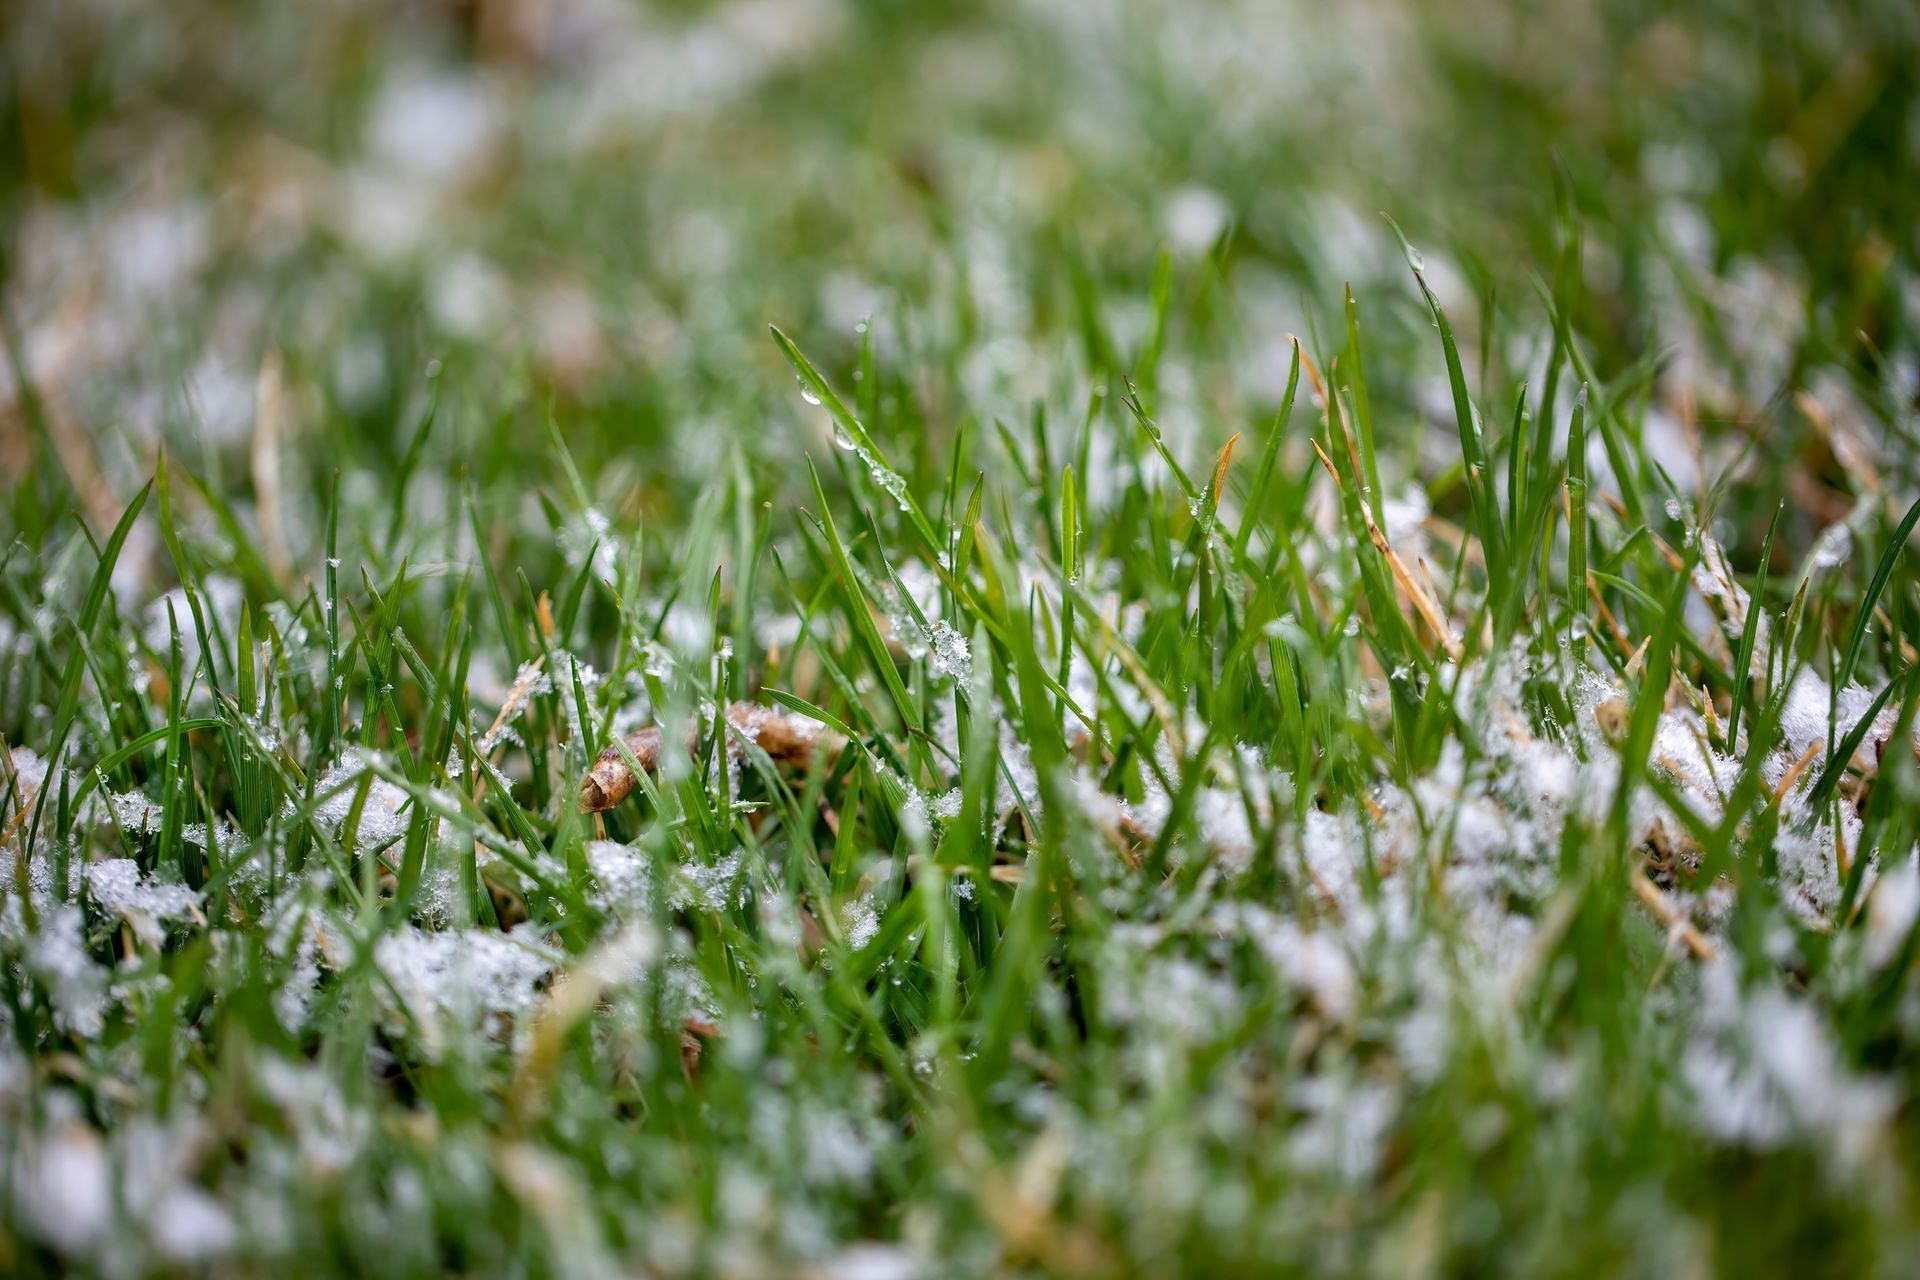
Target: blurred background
[(211, 212)]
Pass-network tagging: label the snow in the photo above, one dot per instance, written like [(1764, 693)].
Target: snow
[(136, 815), (190, 1226), (143, 902), (293, 940), (836, 1153), (1312, 961), (1804, 717), (870, 1260), (29, 769), (620, 876), (950, 656), (1763, 1067), (1343, 1128), (714, 887), (1832, 548), (76, 1189), (860, 922), (220, 600), (1892, 910), (1194, 219), (56, 954), (329, 1131), (63, 1188), (449, 978), (383, 819)]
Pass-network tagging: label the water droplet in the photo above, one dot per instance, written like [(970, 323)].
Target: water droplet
[(840, 436)]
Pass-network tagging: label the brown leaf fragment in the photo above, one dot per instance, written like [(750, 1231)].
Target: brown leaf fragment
[(783, 735)]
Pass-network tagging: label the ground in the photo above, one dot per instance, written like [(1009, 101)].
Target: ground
[(857, 639)]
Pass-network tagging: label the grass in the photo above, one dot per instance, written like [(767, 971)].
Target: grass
[(922, 654)]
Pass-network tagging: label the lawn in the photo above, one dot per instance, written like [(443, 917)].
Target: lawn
[(848, 638)]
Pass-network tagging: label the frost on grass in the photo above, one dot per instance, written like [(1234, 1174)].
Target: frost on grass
[(383, 817), (25, 772), (1302, 938), (449, 980), (294, 929), (622, 880), (137, 815), (1486, 831), (143, 902), (717, 886), (950, 655), (860, 921), (1404, 921)]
